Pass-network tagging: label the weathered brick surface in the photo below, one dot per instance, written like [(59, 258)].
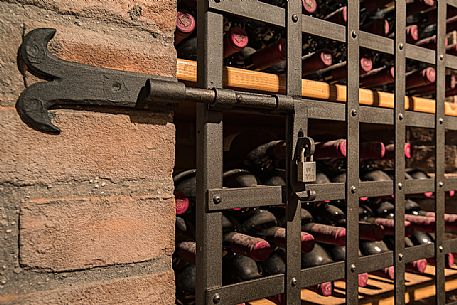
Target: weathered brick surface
[(154, 289), (157, 15), (77, 233), (68, 219), (112, 146), (11, 83)]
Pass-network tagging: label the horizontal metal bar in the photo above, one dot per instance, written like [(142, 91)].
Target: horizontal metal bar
[(255, 10), (419, 119), (420, 54), (375, 188), (247, 291), (450, 245), (450, 122), (419, 186), (243, 197), (335, 191), (330, 191), (419, 252), (323, 28), (450, 184), (376, 42), (375, 262), (324, 273)]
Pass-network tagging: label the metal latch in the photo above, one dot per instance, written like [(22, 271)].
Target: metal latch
[(306, 167)]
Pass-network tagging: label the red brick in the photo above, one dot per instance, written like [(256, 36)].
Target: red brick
[(119, 146), (11, 81), (77, 233), (154, 289), (114, 48), (150, 15)]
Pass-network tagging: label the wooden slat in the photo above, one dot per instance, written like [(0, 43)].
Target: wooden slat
[(380, 292), (242, 79)]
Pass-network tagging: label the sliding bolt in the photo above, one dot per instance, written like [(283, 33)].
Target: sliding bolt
[(216, 298), (293, 282), (217, 199)]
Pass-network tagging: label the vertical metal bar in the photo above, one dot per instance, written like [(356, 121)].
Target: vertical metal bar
[(209, 154), (439, 152), (399, 126), (293, 88), (352, 182)]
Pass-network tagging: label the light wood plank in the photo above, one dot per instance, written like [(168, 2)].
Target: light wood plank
[(242, 79)]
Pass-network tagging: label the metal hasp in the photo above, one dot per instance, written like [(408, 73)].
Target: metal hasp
[(74, 84)]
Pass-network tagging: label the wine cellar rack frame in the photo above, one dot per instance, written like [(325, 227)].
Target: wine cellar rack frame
[(212, 198), (76, 84)]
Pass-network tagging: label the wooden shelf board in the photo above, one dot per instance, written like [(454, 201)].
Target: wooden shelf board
[(248, 80), (380, 290)]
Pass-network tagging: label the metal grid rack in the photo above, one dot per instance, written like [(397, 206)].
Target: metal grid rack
[(212, 199)]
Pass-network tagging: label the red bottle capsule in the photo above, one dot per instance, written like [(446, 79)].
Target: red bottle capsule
[(185, 25), (309, 6), (318, 60), (420, 78), (234, 41)]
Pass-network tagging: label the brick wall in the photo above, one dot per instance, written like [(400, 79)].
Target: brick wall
[(87, 217)]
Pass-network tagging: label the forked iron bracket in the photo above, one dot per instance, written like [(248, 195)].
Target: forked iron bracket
[(78, 84)]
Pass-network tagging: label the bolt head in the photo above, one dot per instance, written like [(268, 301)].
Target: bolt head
[(293, 282), (441, 248), (217, 199), (216, 298), (441, 120), (353, 268), (400, 186), (400, 46), (441, 57), (294, 18), (354, 34), (400, 116), (353, 189), (441, 183), (400, 257)]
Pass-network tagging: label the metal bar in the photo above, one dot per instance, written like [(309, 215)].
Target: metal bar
[(439, 152), (352, 172), (246, 197), (295, 123), (400, 131), (209, 154), (336, 191), (324, 273), (252, 9), (248, 291)]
